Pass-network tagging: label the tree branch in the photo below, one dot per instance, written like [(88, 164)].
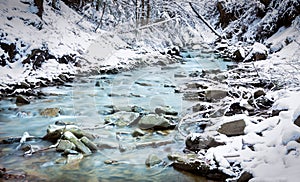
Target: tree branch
[(205, 22)]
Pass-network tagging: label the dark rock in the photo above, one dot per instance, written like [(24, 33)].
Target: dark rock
[(258, 93), (196, 142), (264, 103), (143, 84), (276, 112), (51, 112), (245, 177), (152, 160), (10, 49), (26, 147), (233, 128), (21, 100), (23, 85), (169, 85), (297, 121), (239, 54), (64, 77), (65, 59), (154, 121), (235, 108), (200, 168), (174, 51), (97, 84), (195, 74)]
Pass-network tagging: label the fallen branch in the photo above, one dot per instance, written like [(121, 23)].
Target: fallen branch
[(205, 22)]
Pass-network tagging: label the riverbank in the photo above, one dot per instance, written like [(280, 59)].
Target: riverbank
[(251, 129)]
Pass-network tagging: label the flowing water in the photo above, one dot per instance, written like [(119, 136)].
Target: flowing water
[(86, 102)]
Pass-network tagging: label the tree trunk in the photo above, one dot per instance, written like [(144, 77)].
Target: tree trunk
[(40, 7), (143, 13), (148, 11)]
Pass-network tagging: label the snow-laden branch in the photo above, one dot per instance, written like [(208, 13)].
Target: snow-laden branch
[(149, 25)]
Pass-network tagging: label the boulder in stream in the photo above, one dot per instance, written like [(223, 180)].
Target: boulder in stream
[(54, 132), (79, 145), (21, 100), (154, 121), (153, 160), (65, 145)]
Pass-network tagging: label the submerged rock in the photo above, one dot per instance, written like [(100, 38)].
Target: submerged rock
[(74, 158), (166, 110), (21, 100), (51, 112), (122, 118), (233, 128), (153, 160), (154, 121)]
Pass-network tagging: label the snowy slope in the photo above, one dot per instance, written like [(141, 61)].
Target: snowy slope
[(61, 33)]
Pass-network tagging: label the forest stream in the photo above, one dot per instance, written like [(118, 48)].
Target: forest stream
[(92, 103)]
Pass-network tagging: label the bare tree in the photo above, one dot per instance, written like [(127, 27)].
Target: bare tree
[(40, 7)]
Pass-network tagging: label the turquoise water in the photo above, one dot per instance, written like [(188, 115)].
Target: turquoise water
[(87, 105)]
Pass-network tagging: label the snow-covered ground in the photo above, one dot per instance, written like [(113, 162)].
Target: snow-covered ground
[(274, 154), (62, 33)]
